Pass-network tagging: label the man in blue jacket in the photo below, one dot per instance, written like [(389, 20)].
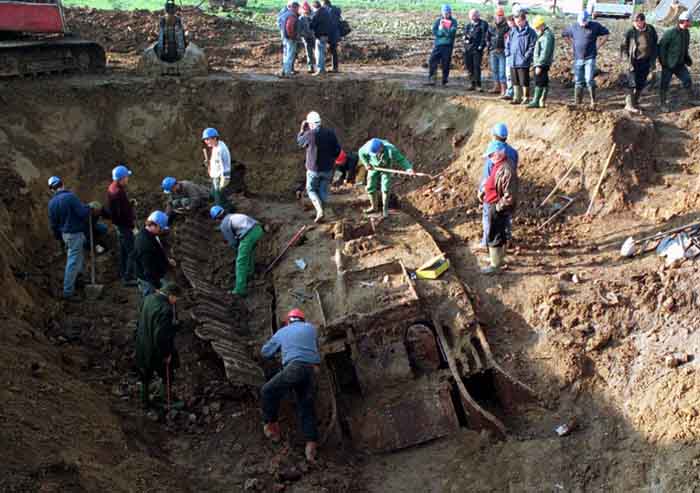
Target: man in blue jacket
[(321, 24), (521, 47), (322, 149), (444, 30), (69, 222), (298, 343), (587, 37)]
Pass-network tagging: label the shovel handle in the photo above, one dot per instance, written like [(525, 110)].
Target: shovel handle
[(92, 250)]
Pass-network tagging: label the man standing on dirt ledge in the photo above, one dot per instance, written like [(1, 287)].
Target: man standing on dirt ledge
[(218, 166), (587, 37), (674, 58), (377, 153), (476, 35), (298, 342), (68, 218), (444, 30), (121, 212), (640, 49), (288, 24), (322, 149)]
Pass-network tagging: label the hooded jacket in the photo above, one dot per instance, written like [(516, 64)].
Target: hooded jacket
[(521, 46)]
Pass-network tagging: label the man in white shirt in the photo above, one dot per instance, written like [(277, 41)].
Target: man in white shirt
[(219, 165)]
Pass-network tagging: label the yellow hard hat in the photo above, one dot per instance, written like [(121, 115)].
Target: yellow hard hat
[(538, 22)]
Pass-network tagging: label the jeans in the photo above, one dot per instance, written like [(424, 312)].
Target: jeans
[(317, 185), (584, 70), (76, 260), (680, 71), (498, 67), (289, 53), (310, 58), (126, 246), (639, 70), (472, 63), (321, 53), (441, 54), (300, 377)]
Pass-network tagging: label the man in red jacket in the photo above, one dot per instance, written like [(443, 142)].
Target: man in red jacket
[(121, 211)]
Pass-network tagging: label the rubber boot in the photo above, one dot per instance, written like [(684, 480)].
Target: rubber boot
[(385, 204), (319, 210), (543, 97), (373, 199), (630, 104), (507, 93), (504, 90), (517, 95), (663, 100), (591, 93), (578, 95), (526, 95), (496, 255), (535, 103)]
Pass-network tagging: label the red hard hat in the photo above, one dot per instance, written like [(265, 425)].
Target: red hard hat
[(342, 157), (296, 313)]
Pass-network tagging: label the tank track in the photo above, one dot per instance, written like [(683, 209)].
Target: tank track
[(28, 58)]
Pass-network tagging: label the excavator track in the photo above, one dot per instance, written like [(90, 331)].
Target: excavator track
[(28, 58)]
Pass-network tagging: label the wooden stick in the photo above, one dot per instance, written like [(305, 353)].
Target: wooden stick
[(602, 177), (400, 172), (561, 180), (571, 201)]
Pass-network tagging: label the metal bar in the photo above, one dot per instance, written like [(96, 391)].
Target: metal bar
[(570, 201), (561, 180)]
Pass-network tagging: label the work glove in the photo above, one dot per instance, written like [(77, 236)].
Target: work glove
[(134, 202)]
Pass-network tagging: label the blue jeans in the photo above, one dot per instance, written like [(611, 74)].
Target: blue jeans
[(288, 55), (584, 70), (498, 67), (317, 185), (301, 378), (126, 246), (76, 260), (321, 53)]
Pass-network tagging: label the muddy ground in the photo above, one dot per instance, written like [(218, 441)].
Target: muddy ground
[(590, 332)]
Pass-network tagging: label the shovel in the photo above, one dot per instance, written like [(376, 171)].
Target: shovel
[(629, 247), (92, 290)]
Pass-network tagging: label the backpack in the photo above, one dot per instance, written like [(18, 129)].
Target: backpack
[(344, 28)]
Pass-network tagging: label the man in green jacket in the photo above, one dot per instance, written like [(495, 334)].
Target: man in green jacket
[(674, 58), (444, 30), (155, 338), (544, 54), (378, 153)]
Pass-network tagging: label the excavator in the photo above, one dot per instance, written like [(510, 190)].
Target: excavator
[(34, 39)]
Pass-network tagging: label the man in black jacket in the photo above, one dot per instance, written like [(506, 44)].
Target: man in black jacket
[(475, 39), (322, 149), (321, 25), (640, 48), (335, 15), (149, 260)]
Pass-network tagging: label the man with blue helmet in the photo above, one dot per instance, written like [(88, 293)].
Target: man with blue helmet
[(183, 195), (121, 211), (68, 217), (378, 153), (444, 30), (242, 234), (218, 165), (149, 259)]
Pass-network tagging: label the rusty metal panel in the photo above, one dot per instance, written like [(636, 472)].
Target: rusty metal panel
[(410, 418), (378, 365)]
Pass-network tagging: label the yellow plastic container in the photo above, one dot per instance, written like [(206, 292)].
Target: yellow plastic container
[(433, 268)]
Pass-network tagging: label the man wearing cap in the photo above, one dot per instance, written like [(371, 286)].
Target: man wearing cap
[(155, 339), (346, 165), (321, 24), (521, 48), (289, 30), (542, 60), (496, 43), (306, 33), (499, 192), (68, 218), (298, 343), (499, 132), (640, 49), (218, 165), (444, 30), (183, 195), (587, 37), (378, 153), (475, 38), (121, 211), (149, 259), (675, 58), (242, 234), (322, 149)]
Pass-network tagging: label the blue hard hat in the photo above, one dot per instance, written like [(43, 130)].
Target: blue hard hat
[(209, 133), (54, 182), (216, 211), (120, 172), (500, 130), (375, 145), (168, 183), (494, 146), (160, 218), (446, 9), (584, 17)]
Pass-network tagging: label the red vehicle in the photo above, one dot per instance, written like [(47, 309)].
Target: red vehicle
[(34, 39)]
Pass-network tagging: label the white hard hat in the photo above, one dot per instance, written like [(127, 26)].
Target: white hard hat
[(685, 16), (313, 118)]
